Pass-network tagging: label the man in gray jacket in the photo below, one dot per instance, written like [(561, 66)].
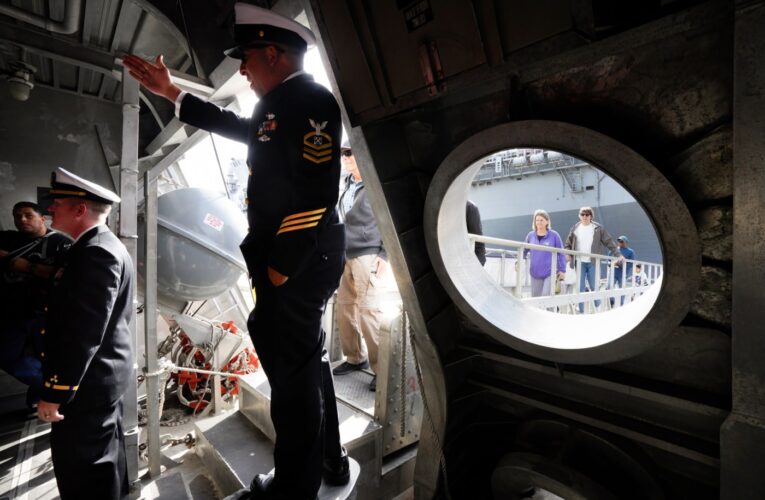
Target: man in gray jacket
[(590, 237), (361, 286)]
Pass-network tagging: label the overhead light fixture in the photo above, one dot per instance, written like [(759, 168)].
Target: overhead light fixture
[(20, 80)]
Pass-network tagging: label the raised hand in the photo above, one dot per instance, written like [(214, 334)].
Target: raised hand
[(154, 77)]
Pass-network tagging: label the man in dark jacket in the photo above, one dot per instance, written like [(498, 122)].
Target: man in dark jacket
[(29, 257), (592, 238), (363, 280), (88, 358), (473, 220), (294, 249)]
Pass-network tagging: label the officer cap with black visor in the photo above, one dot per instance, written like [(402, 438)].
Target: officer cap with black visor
[(257, 27), (65, 184)]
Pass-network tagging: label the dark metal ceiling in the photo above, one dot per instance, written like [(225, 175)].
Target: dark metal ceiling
[(72, 44)]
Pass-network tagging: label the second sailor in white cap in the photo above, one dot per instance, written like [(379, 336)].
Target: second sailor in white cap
[(295, 247), (88, 355)]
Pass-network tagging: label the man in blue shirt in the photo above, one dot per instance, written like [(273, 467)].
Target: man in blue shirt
[(623, 279)]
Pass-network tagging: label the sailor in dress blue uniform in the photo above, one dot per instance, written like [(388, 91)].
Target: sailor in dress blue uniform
[(88, 357), (295, 246)]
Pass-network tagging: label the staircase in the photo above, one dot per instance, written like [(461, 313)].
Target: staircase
[(573, 177), (380, 430), (237, 445)]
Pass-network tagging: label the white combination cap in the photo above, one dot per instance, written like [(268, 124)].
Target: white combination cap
[(256, 26), (64, 184)]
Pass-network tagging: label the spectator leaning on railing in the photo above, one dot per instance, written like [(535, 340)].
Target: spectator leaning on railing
[(622, 279), (629, 254), (640, 277)]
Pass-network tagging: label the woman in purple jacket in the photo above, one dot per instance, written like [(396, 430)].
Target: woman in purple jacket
[(540, 268)]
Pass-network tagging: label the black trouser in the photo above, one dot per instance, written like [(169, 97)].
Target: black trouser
[(286, 330), (88, 450)]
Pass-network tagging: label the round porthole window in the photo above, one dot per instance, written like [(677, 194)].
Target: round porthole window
[(587, 254)]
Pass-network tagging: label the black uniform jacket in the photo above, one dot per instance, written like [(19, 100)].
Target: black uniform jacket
[(88, 356), (473, 219), (294, 138), (23, 295)]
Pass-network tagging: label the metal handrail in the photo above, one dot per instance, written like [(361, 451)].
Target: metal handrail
[(627, 291)]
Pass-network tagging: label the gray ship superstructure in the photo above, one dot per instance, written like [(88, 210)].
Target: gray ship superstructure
[(513, 183)]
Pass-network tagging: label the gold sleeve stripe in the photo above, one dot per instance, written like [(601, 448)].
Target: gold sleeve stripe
[(316, 152), (61, 387), (316, 161), (300, 221), (295, 228), (304, 214), (317, 147)]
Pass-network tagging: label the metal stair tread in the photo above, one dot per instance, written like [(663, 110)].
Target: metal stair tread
[(172, 486), (355, 425), (234, 450)]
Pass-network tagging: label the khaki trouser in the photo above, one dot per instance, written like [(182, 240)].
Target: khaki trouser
[(358, 310)]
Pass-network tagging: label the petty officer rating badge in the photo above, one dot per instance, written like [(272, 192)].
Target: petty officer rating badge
[(317, 145)]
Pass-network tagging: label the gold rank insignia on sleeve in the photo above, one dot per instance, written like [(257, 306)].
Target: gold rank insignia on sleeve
[(53, 385), (317, 145), (302, 220)]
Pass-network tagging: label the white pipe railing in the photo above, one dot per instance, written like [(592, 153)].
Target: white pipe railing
[(568, 301)]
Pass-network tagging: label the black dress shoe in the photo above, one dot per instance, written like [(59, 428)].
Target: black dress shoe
[(346, 367), (373, 384), (337, 471), (261, 486)]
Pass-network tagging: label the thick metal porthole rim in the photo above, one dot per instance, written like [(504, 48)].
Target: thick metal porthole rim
[(669, 214)]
